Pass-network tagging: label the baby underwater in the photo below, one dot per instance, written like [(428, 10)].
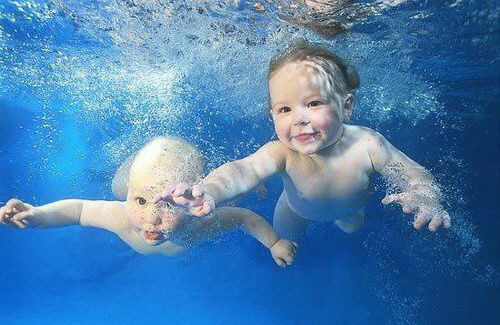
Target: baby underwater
[(325, 163), (146, 226)]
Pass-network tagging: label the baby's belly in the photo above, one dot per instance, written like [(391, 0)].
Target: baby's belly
[(325, 208)]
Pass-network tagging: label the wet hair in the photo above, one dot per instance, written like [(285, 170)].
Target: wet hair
[(341, 76)]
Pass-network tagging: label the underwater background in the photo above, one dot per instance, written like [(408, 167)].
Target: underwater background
[(85, 83)]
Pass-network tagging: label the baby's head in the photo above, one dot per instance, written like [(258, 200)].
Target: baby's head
[(163, 162), (311, 93)]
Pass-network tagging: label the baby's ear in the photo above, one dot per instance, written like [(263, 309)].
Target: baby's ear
[(348, 106)]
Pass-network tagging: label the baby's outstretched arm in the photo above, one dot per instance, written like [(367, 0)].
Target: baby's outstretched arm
[(228, 218), (19, 214), (228, 181), (420, 194), (62, 213)]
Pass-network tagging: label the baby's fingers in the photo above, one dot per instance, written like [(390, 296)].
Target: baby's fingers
[(7, 218), (409, 207), (288, 258), (198, 191), (446, 220), (19, 224), (181, 189), (198, 211), (180, 201), (165, 195), (435, 223), (295, 247), (26, 218), (16, 223), (208, 207), (398, 198), (14, 206), (280, 261), (420, 220), (441, 219)]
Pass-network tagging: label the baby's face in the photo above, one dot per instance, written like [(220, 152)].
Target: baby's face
[(153, 222), (307, 118)]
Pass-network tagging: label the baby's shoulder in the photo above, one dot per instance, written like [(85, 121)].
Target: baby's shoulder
[(274, 149), (275, 145), (363, 135), (360, 131), (115, 216)]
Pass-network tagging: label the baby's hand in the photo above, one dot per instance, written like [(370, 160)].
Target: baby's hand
[(284, 252), (192, 199), (425, 209), (18, 214)]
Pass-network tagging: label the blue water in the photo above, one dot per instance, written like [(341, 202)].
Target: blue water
[(83, 84)]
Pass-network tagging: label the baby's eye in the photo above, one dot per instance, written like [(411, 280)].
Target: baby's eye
[(168, 205), (141, 200), (284, 109), (314, 103)]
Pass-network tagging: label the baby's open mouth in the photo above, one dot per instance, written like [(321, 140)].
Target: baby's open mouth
[(304, 137), (152, 235)]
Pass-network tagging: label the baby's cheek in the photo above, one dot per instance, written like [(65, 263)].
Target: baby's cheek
[(328, 121), (135, 219), (281, 131), (170, 222)]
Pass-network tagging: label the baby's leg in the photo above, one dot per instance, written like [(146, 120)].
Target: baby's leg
[(286, 222), (352, 222)]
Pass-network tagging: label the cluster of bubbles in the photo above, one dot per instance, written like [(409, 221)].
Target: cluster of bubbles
[(156, 64)]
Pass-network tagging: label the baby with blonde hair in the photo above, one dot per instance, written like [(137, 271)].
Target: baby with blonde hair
[(147, 226), (325, 163)]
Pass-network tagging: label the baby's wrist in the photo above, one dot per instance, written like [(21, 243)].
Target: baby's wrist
[(273, 243), (428, 190)]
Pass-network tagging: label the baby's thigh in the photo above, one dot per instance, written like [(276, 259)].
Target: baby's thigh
[(286, 222)]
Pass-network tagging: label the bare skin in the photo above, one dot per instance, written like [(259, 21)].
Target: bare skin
[(148, 227), (325, 164)]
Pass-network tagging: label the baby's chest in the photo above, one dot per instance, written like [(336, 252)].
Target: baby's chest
[(337, 178)]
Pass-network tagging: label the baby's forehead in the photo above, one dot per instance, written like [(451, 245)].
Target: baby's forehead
[(145, 184), (307, 70), (142, 192), (156, 178), (304, 72), (303, 66), (147, 190)]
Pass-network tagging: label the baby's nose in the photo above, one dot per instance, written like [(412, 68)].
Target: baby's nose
[(300, 116), (153, 219), (154, 216), (301, 119)]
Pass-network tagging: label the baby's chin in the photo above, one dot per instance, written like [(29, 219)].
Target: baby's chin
[(316, 147), (305, 149)]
